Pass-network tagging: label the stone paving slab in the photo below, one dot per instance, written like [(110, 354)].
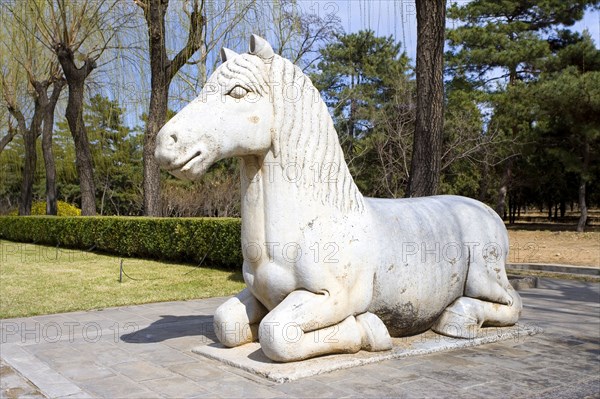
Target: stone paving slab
[(12, 385), (251, 358), (145, 351)]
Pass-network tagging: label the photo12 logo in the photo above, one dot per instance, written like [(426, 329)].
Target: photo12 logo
[(293, 172), (290, 252), (28, 253), (450, 252), (52, 332)]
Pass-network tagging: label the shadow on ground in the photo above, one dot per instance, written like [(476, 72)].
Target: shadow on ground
[(566, 290), (236, 276), (169, 327)]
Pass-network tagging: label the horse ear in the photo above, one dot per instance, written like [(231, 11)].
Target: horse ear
[(227, 54), (260, 47)]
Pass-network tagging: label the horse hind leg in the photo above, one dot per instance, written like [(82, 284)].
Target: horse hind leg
[(465, 316), (488, 300), (487, 280)]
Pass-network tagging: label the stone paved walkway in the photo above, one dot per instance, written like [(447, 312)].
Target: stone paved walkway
[(145, 352)]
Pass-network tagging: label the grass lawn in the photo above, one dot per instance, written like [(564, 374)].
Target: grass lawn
[(37, 279)]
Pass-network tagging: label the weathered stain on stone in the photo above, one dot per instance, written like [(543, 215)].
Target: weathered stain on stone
[(404, 320)]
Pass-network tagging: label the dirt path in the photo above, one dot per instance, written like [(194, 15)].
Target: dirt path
[(561, 247)]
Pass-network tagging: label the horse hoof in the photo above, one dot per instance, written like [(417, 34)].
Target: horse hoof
[(375, 336)]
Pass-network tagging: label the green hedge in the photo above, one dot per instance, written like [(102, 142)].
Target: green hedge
[(177, 239)]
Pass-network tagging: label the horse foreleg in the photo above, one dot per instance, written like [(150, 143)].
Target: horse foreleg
[(306, 324), (236, 321)]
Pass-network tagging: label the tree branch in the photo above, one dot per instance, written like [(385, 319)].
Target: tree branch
[(56, 89), (8, 137), (67, 61), (12, 106), (197, 22)]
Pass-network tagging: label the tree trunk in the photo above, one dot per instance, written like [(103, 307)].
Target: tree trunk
[(157, 113), (563, 208), (49, 106), (51, 206), (74, 113), (157, 116), (512, 209), (503, 191), (29, 165), (506, 179), (30, 137), (582, 183), (162, 71), (427, 147), (83, 155), (583, 208)]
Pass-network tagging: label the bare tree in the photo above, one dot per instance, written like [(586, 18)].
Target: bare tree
[(163, 69), (43, 115), (393, 141), (220, 197), (48, 105), (36, 68), (426, 160), (30, 134), (298, 34), (78, 32)]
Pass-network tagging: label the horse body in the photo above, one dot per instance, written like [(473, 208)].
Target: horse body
[(443, 246), (328, 271)]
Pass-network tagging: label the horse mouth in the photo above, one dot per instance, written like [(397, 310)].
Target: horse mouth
[(192, 168), (186, 164)]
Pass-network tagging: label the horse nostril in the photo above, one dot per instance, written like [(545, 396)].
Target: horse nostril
[(174, 137), (198, 153)]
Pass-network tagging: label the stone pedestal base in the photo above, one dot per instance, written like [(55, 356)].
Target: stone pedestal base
[(250, 357)]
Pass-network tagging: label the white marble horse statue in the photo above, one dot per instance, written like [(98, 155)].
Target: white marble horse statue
[(328, 270)]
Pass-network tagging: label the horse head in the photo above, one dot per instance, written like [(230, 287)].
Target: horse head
[(232, 116)]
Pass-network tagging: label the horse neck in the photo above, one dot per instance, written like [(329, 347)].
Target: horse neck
[(269, 194), (275, 194), (308, 149)]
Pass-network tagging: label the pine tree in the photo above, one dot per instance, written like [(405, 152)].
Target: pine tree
[(568, 99), (498, 44), (356, 73), (365, 80)]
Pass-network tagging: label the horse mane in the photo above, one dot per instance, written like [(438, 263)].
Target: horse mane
[(305, 139)]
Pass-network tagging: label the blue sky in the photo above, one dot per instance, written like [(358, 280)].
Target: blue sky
[(398, 18)]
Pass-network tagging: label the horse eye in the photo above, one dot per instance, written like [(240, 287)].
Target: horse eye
[(238, 92)]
